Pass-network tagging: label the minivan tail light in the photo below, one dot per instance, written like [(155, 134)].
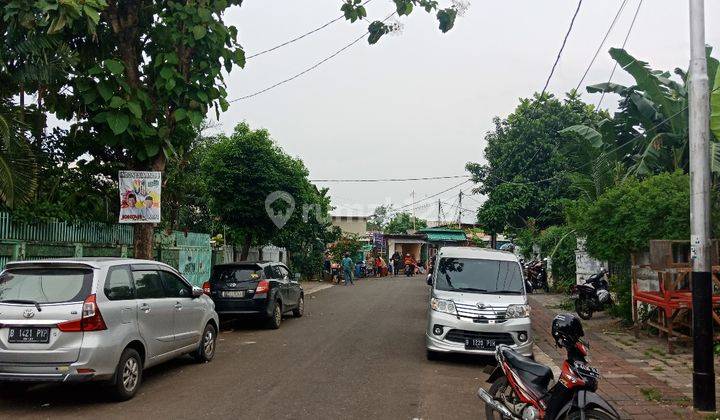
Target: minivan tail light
[(263, 287), (206, 287), (90, 320)]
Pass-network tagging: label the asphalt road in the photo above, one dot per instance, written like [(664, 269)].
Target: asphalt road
[(357, 353)]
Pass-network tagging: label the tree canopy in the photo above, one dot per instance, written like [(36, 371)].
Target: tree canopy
[(404, 222)]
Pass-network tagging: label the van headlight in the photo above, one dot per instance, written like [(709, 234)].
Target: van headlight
[(517, 311), (442, 305)]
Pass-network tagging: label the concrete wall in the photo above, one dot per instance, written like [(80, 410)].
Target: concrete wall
[(413, 248), (351, 224), (647, 278), (585, 265), (269, 253)]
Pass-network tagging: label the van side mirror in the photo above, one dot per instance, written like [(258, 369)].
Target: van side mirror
[(197, 292), (429, 280)]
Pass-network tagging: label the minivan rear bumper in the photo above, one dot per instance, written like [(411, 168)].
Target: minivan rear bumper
[(46, 377)]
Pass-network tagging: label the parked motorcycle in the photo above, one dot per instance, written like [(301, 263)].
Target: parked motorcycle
[(536, 275), (520, 386), (593, 295)]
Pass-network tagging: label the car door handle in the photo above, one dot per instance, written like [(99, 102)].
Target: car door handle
[(145, 307), (178, 305)]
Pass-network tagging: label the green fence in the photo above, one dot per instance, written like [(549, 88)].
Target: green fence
[(189, 252)]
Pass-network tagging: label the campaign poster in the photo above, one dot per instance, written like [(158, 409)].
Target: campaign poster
[(139, 196)]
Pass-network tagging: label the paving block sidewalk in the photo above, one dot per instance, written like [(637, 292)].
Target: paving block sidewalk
[(627, 375)]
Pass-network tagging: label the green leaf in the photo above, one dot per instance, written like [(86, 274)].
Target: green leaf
[(196, 118), (202, 96), (180, 114), (199, 31), (166, 72), (135, 108), (171, 58), (170, 85), (607, 88), (715, 107), (446, 17), (204, 14), (152, 148), (105, 90), (92, 14), (117, 102), (224, 105), (115, 66), (588, 133), (118, 122), (715, 157)]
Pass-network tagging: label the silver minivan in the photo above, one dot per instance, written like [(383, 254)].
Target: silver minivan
[(101, 319), (477, 302)]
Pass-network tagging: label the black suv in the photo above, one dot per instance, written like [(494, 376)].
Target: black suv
[(255, 289)]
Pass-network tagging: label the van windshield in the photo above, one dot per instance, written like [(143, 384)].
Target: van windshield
[(479, 276), (45, 285)]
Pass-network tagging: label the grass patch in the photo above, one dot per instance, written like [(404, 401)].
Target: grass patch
[(658, 368), (651, 394)]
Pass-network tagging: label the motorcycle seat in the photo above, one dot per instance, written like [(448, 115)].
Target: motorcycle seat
[(535, 375)]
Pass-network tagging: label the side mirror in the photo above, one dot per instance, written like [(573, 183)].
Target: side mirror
[(429, 280), (197, 292), (296, 277)]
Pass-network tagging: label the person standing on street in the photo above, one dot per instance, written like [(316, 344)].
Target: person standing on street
[(396, 262), (347, 265)]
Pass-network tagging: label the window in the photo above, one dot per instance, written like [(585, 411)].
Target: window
[(479, 276), (270, 272), (283, 272), (119, 284), (148, 285), (46, 285), (236, 273), (174, 286)]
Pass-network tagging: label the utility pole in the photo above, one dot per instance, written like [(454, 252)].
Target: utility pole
[(460, 210), (413, 208), (439, 211), (700, 246)]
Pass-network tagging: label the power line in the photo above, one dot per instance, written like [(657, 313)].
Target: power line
[(562, 47), (597, 52), (298, 38), (430, 196), (627, 36), (309, 69), (427, 178)]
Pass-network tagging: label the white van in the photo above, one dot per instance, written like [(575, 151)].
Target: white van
[(477, 302)]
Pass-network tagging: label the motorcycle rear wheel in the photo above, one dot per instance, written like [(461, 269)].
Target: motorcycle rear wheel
[(583, 309), (592, 413), (496, 389)]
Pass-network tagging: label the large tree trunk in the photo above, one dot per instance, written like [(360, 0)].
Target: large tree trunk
[(246, 247), (143, 240), (143, 233)]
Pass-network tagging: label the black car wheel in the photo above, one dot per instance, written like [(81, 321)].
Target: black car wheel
[(206, 349), (300, 309), (276, 318), (128, 375)]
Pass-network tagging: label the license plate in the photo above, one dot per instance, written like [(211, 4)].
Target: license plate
[(479, 344), (233, 294), (28, 335)]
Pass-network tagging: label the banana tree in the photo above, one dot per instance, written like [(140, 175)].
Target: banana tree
[(649, 133)]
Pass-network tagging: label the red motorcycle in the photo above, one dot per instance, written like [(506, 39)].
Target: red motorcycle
[(520, 386)]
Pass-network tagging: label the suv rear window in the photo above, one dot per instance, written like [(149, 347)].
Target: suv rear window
[(236, 273), (46, 285)]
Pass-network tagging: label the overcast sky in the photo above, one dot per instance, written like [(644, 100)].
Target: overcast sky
[(419, 103)]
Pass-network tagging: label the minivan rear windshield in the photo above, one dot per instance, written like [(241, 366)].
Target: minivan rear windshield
[(479, 276), (236, 273), (45, 285)]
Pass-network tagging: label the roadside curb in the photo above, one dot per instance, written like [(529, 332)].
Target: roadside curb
[(318, 288), (542, 358)]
